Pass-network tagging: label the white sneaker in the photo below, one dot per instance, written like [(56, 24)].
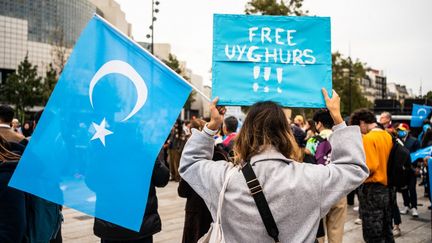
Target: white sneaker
[(405, 210), (414, 212), (356, 208), (358, 221)]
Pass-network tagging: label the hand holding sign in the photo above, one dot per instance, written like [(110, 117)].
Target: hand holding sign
[(216, 115), (333, 105)]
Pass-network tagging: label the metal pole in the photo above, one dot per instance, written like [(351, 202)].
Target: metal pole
[(152, 29), (156, 59), (350, 89), (350, 94)]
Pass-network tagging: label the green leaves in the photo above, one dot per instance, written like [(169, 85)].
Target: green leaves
[(174, 64), (275, 7), (343, 70), (24, 88), (49, 83)]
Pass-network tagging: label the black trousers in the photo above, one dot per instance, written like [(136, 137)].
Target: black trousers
[(376, 205), (409, 194), (350, 197), (396, 213)]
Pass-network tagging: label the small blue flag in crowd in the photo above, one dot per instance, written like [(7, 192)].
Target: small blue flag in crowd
[(419, 113), (421, 153), (96, 143)]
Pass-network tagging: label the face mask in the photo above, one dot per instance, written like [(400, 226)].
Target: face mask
[(402, 134)]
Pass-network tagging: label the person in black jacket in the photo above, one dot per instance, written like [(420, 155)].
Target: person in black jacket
[(12, 201), (409, 194), (197, 216), (111, 233)]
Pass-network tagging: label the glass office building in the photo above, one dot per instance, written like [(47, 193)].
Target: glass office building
[(47, 19), (42, 28), (38, 28)]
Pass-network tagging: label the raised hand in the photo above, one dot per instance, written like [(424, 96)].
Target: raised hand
[(333, 105), (216, 115)]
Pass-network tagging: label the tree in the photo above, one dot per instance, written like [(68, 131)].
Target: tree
[(275, 7), (174, 64), (344, 69), (59, 50), (49, 83), (23, 89), (429, 95)]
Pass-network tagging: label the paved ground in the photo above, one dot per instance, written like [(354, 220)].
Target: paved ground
[(78, 227)]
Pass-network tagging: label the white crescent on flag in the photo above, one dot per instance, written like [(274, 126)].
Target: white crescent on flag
[(121, 67)]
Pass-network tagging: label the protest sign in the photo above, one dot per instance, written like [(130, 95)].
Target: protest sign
[(278, 58)]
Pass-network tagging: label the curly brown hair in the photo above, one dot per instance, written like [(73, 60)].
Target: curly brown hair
[(265, 124)]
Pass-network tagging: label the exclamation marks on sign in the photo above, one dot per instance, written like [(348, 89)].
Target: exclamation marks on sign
[(279, 72), (256, 73), (267, 71), (266, 75)]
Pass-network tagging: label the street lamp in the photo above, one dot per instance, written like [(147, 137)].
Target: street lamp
[(151, 27)]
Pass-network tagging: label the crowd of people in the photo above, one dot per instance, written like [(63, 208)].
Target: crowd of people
[(266, 180)]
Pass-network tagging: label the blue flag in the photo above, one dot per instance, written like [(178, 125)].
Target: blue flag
[(98, 138), (419, 113), (421, 153), (283, 59)]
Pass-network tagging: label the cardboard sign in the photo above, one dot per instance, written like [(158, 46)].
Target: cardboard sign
[(278, 58)]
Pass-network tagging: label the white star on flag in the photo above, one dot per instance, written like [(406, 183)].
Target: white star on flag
[(101, 131)]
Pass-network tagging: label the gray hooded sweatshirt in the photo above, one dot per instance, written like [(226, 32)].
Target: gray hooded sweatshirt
[(298, 194)]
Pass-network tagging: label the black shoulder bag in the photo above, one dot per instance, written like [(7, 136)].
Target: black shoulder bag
[(261, 202)]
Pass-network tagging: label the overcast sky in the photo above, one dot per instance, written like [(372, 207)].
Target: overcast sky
[(390, 35)]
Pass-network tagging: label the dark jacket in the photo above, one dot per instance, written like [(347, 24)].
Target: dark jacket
[(13, 220), (299, 136), (412, 144), (197, 217), (151, 221), (43, 218)]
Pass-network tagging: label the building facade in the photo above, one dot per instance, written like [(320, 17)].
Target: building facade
[(199, 107), (46, 31), (374, 85), (206, 109), (398, 92)]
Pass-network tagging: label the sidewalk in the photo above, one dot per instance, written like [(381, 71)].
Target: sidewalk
[(79, 227)]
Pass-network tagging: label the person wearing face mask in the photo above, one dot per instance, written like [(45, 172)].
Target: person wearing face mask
[(409, 194)]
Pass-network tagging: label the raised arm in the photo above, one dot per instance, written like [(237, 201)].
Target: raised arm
[(204, 175), (347, 169)]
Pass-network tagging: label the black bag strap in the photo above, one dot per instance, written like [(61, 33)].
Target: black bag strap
[(261, 202)]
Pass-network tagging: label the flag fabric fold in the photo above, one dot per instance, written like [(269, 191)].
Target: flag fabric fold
[(109, 115), (421, 153)]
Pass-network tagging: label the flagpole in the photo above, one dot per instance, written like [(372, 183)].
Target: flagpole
[(157, 59)]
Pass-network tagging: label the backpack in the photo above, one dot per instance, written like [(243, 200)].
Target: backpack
[(322, 152), (398, 165), (220, 153)]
